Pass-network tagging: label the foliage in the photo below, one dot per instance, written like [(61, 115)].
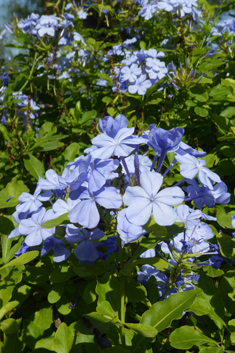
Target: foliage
[(150, 278)]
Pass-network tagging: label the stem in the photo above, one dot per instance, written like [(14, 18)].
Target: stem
[(123, 307), (31, 72), (123, 311)]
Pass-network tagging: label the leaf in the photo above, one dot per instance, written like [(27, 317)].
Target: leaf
[(63, 340), (227, 245), (34, 166), (43, 318), (13, 190), (55, 294), (87, 117), (143, 330), (22, 259), (201, 97), (211, 350), (8, 307), (135, 292), (71, 151), (94, 320), (56, 221), (187, 336), (228, 112), (47, 129), (106, 310), (108, 288), (63, 305), (201, 111), (201, 307), (161, 314), (89, 294), (12, 343), (4, 132), (9, 326), (219, 92)]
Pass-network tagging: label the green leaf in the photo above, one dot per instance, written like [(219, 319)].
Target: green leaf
[(9, 326), (219, 92), (43, 318), (143, 330), (31, 333), (55, 294), (8, 307), (142, 45), (106, 310), (13, 189), (56, 221), (11, 343), (227, 245), (161, 314), (47, 129), (34, 166), (228, 112), (89, 294), (135, 291), (71, 151), (7, 225), (201, 111), (211, 350), (44, 343), (87, 117), (6, 293), (117, 349), (63, 305), (4, 132), (22, 259), (201, 97), (96, 320), (108, 288), (201, 307), (187, 336)]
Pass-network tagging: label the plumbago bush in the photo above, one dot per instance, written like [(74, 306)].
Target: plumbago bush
[(117, 166)]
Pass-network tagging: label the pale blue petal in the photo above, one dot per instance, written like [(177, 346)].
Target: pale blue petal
[(139, 213), (163, 214), (170, 196)]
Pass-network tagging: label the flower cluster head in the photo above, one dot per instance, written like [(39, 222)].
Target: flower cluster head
[(87, 197), (183, 77), (181, 7), (139, 70)]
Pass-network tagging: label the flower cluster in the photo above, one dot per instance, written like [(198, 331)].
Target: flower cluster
[(181, 7), (113, 181), (139, 70)]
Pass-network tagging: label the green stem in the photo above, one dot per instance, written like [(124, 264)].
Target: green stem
[(123, 311), (123, 307), (31, 72)]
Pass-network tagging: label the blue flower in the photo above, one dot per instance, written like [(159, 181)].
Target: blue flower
[(33, 229), (141, 85), (146, 200), (86, 212), (190, 166), (60, 253), (121, 145), (86, 250)]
